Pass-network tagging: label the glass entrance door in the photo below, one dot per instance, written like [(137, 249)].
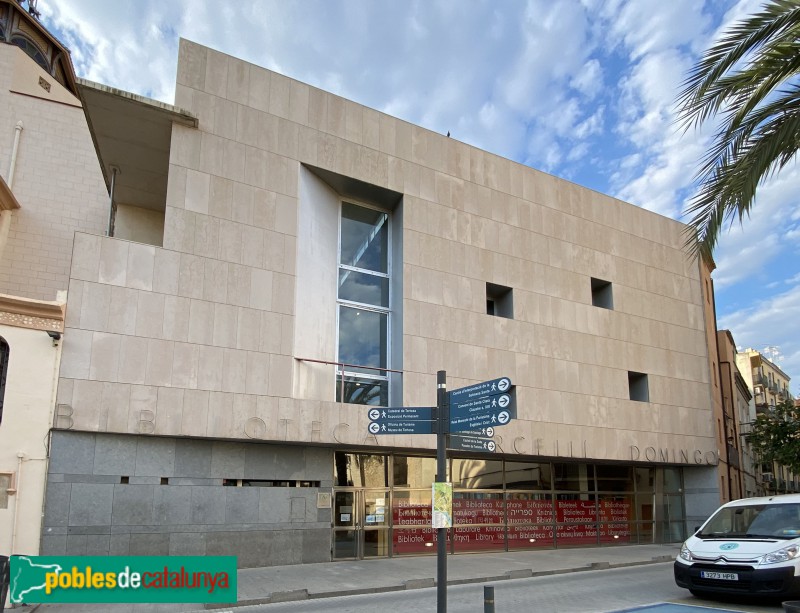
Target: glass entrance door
[(360, 524)]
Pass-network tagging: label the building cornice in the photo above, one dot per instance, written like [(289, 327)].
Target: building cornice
[(33, 314)]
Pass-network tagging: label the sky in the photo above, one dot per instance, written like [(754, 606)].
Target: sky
[(582, 89)]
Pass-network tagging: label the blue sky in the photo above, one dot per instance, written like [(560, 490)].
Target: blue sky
[(583, 89)]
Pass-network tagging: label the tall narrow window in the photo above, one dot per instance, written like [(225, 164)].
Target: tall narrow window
[(363, 306), (4, 355)]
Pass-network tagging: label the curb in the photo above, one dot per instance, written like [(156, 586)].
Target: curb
[(429, 582)]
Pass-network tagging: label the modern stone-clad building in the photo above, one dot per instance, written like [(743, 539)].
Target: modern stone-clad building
[(278, 258)]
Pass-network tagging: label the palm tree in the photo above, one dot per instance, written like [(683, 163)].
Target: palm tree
[(750, 78)]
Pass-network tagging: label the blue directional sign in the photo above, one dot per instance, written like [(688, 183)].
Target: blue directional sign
[(402, 420), (488, 404), (487, 388), (395, 413), (402, 427), (483, 432), (481, 420), (484, 405), (471, 443)]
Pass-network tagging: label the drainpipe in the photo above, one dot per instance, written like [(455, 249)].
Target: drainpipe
[(112, 208), (14, 150), (18, 488)]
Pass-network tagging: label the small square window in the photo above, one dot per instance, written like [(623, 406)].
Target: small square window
[(601, 294), (637, 386), (499, 301)]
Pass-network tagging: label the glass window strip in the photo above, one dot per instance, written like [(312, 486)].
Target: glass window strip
[(366, 271)]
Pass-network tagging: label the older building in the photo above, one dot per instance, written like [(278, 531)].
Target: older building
[(769, 386), (50, 186), (276, 259)]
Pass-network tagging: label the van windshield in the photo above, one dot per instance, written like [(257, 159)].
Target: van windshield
[(774, 521)]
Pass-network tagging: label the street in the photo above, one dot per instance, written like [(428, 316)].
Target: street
[(585, 592)]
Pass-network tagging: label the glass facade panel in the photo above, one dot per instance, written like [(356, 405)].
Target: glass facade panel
[(530, 520), (477, 474), (576, 535), (479, 519), (645, 479), (671, 479), (573, 477), (363, 339), (365, 238), (614, 478), (414, 472), (362, 390), (529, 476), (363, 288), (411, 517), (470, 508), (360, 470), (607, 507), (376, 543)]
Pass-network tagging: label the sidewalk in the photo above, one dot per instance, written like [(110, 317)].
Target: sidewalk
[(300, 582)]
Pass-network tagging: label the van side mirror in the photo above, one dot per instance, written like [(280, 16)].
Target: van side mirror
[(696, 529)]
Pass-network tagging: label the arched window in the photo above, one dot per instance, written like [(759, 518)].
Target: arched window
[(4, 353), (32, 50)]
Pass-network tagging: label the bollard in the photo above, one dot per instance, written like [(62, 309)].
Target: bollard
[(488, 599)]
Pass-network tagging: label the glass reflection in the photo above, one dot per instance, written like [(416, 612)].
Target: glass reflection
[(360, 470), (365, 238), (363, 338), (528, 475), (645, 479), (414, 472), (360, 390), (576, 477), (614, 478), (477, 474), (363, 288)]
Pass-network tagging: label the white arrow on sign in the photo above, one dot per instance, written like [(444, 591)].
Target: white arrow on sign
[(374, 414), (374, 427), (489, 432), (503, 417), (503, 384), (490, 446), (503, 401)]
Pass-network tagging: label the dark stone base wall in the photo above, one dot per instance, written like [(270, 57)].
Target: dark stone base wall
[(90, 511)]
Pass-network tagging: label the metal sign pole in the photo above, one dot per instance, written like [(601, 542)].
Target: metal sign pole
[(442, 420)]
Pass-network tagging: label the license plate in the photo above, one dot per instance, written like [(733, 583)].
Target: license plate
[(707, 574)]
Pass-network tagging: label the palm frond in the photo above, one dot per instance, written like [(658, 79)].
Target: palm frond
[(749, 79)]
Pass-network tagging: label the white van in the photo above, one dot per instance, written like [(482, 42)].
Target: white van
[(748, 547)]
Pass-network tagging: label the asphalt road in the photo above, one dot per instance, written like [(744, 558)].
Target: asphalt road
[(585, 592)]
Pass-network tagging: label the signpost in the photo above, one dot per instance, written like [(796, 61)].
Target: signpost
[(463, 419), (402, 420), (472, 443)]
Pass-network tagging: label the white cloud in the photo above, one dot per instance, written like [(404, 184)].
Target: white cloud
[(774, 321), (589, 79)]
